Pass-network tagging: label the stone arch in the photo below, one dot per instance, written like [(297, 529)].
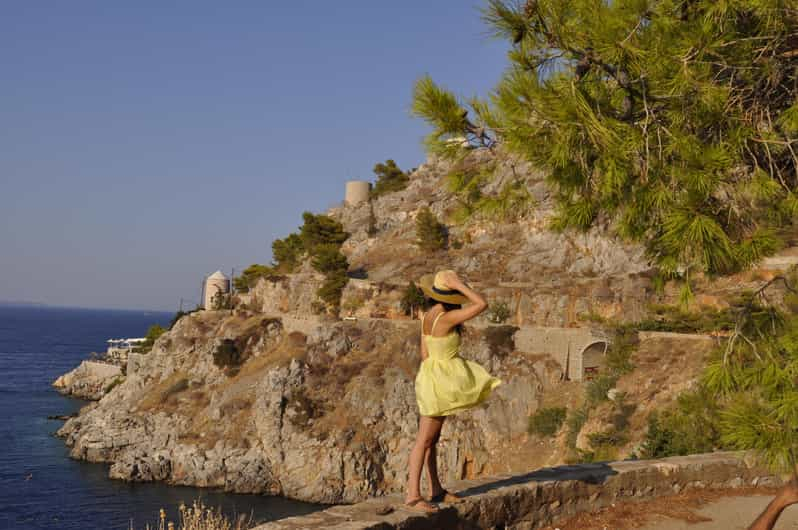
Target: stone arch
[(593, 358)]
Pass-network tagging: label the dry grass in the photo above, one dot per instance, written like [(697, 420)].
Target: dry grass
[(200, 517), (633, 515), (164, 394)]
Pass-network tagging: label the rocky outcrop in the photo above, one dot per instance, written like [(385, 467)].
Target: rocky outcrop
[(540, 498), (90, 380), (327, 416)]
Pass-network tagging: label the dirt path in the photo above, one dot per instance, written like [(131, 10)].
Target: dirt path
[(695, 510)]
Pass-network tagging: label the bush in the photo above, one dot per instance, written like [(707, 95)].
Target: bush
[(227, 354), (412, 298), (153, 333), (498, 312), (500, 340), (389, 178), (321, 230), (287, 252), (597, 389), (252, 274), (430, 233), (546, 422), (113, 384), (576, 420), (690, 427)]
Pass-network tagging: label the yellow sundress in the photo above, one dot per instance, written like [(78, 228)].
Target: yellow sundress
[(446, 383)]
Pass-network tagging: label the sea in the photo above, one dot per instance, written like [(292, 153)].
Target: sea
[(40, 486)]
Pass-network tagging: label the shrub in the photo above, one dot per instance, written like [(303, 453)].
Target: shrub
[(287, 252), (320, 230), (597, 389), (689, 427), (227, 354), (153, 333), (500, 340), (498, 312), (389, 178), (252, 274), (546, 422), (576, 420), (412, 298), (113, 384), (430, 233)]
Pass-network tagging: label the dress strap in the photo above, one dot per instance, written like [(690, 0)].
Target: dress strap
[(432, 329)]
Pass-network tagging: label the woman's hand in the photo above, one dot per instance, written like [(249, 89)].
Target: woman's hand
[(451, 279)]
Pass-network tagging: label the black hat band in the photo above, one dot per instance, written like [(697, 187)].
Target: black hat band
[(447, 292)]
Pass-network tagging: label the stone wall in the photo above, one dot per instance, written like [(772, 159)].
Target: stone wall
[(565, 345), (539, 498)]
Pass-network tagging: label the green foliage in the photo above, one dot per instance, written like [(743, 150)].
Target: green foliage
[(412, 298), (328, 260), (596, 390), (227, 354), (251, 275), (576, 420), (152, 335), (512, 201), (430, 233), (691, 426), (676, 121), (221, 301), (389, 178), (286, 253), (319, 230), (498, 312), (113, 384), (547, 421)]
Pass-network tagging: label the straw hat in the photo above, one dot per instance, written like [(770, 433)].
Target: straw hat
[(433, 287)]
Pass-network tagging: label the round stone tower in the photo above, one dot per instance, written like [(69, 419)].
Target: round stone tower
[(215, 284), (357, 191)]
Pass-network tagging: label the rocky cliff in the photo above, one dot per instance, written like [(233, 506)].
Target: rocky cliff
[(269, 398)]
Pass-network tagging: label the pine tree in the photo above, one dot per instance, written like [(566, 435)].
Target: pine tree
[(430, 233), (677, 120), (389, 178)]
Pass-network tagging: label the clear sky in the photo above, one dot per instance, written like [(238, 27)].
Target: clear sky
[(145, 144)]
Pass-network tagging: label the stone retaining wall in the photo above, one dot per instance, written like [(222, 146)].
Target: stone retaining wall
[(538, 498)]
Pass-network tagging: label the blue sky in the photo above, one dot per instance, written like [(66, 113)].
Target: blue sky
[(145, 144)]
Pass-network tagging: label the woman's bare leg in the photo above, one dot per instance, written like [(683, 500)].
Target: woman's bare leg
[(431, 461), (429, 428)]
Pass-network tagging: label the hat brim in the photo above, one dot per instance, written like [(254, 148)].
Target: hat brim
[(425, 284)]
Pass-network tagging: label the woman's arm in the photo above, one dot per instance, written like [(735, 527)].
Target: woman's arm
[(477, 305)]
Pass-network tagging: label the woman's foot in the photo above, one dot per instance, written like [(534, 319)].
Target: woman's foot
[(418, 504), (445, 496)]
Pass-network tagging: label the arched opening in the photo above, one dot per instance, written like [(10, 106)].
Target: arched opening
[(593, 359)]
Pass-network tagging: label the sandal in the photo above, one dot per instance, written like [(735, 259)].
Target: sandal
[(447, 497), (425, 507)]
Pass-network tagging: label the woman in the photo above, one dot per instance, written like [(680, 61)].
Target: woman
[(446, 383)]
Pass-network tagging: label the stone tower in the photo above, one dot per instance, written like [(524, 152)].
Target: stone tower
[(357, 191), (214, 284)]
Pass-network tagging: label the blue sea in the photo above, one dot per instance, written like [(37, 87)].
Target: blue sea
[(40, 486)]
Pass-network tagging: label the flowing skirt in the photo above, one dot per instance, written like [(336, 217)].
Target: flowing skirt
[(447, 386)]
